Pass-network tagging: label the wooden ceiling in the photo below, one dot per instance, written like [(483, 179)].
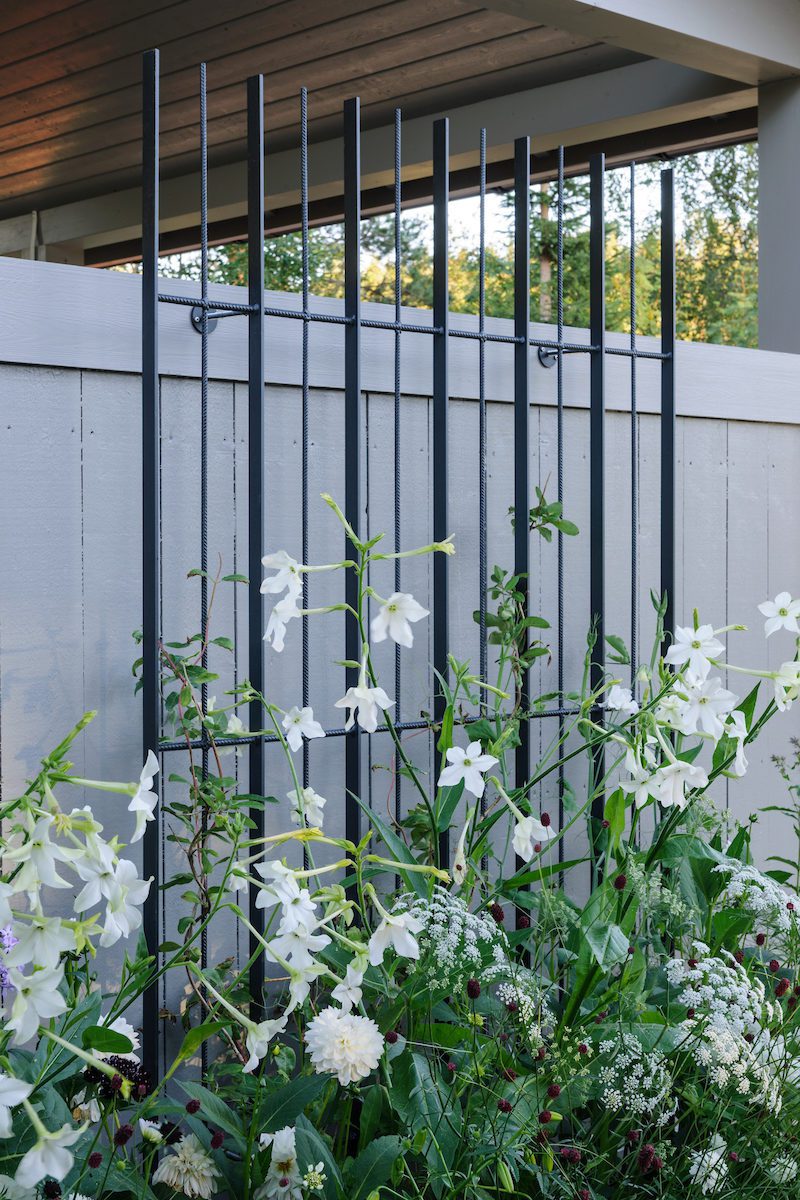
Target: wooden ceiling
[(70, 108)]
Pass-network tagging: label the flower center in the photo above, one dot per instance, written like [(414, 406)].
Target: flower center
[(696, 645), (783, 612)]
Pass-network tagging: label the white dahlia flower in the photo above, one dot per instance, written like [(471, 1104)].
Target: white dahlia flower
[(188, 1169), (347, 1045)]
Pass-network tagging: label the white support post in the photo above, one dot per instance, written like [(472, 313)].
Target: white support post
[(778, 206)]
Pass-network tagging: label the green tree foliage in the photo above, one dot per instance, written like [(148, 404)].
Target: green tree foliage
[(716, 253)]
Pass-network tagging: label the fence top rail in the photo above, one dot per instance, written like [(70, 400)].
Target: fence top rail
[(80, 317)]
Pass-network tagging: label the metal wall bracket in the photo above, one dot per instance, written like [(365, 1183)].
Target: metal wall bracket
[(197, 320)]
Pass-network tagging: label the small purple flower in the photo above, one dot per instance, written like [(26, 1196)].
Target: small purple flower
[(7, 940)]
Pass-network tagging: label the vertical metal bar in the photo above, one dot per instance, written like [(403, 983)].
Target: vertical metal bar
[(441, 321), (151, 551), (522, 302), (398, 313), (255, 478), (204, 471), (483, 577), (597, 333), (560, 474), (352, 427), (668, 394), (305, 421), (634, 442)]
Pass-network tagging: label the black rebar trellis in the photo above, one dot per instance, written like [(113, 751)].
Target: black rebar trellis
[(205, 312)]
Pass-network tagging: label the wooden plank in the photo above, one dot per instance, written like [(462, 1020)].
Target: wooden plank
[(13, 16), (390, 83), (289, 33)]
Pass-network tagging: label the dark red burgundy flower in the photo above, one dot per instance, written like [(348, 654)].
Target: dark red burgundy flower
[(473, 989)]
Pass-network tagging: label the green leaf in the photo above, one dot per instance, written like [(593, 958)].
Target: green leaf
[(446, 802), (398, 849), (608, 944), (614, 813), (284, 1105), (195, 1037), (215, 1111), (105, 1041), (311, 1148), (372, 1167), (616, 643), (235, 579)]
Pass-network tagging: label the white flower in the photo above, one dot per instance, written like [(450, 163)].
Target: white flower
[(258, 1040), (36, 999), (283, 1178), (640, 785), (298, 907), (283, 887), (285, 610), (707, 703), (530, 833), (393, 619), (695, 647), (468, 765), (670, 782), (299, 723), (348, 992), (300, 980), (287, 577), (620, 699), (96, 869), (12, 1092), (460, 859), (709, 1168), (144, 798), (10, 1190), (783, 1170), (736, 728), (151, 1132), (49, 1155), (345, 1044), (396, 930), (365, 700), (239, 878), (781, 613), (787, 685), (298, 942), (41, 942), (188, 1169), (6, 894), (122, 911), (38, 856), (307, 804)]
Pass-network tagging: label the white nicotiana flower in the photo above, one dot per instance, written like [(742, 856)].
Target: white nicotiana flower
[(188, 1169), (151, 1132), (299, 723), (36, 998), (671, 710), (283, 1177), (287, 577), (97, 870), (736, 729), (707, 703), (144, 799), (620, 699), (787, 685), (365, 701), (469, 765), (11, 1190), (460, 858), (38, 857), (530, 832), (695, 648), (285, 610), (12, 1092), (394, 618), (396, 930), (300, 981), (297, 943), (40, 941), (781, 613), (258, 1040), (640, 785), (671, 781), (239, 878), (347, 1045), (307, 806), (348, 992), (708, 1169), (49, 1156), (123, 914)]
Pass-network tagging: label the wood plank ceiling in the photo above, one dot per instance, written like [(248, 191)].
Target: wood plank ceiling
[(69, 77)]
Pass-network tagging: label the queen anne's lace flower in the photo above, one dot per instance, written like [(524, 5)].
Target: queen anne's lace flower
[(188, 1169), (719, 990), (636, 1082), (521, 992), (783, 1170), (455, 944), (347, 1045), (758, 895)]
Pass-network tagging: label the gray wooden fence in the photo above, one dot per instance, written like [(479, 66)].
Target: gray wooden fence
[(70, 539)]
